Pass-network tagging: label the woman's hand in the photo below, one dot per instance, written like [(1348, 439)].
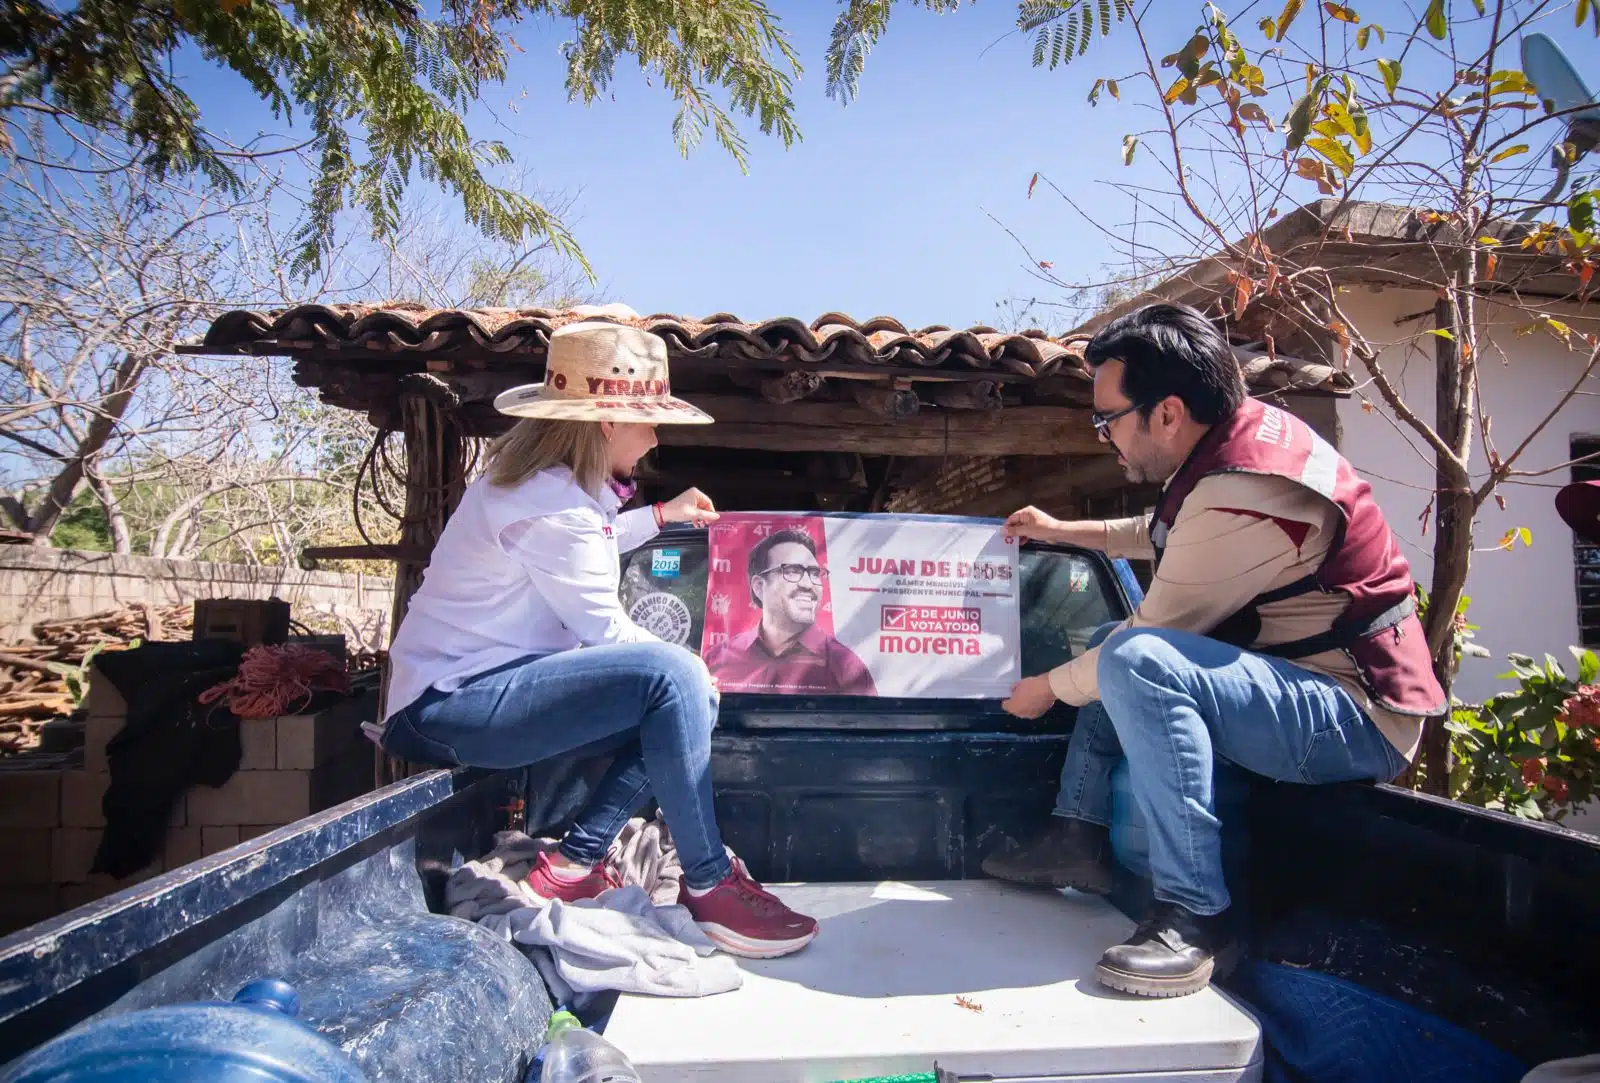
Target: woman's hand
[(689, 506)]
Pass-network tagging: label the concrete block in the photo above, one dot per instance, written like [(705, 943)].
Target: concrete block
[(183, 846), (104, 701), (252, 797), (251, 831), (76, 895), (30, 799), (260, 739), (72, 851), (21, 906), (97, 734), (214, 840), (308, 741), (25, 855), (81, 795)]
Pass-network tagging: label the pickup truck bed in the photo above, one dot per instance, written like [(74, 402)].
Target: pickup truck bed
[(1486, 922)]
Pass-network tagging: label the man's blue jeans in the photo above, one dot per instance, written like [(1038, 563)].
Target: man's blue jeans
[(653, 702), (1171, 702)]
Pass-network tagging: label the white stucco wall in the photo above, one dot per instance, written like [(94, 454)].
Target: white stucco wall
[(1523, 600)]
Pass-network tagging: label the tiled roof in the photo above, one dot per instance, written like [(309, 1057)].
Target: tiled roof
[(411, 331)]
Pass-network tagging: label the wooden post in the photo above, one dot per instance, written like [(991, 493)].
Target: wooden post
[(436, 467)]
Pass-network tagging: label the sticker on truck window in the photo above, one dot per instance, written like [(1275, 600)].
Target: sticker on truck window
[(665, 563), (663, 615), (1080, 581)]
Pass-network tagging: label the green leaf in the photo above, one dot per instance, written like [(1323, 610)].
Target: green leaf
[(1363, 130), (1588, 664), (1129, 144), (1509, 152), (1299, 122), (1340, 12), (1580, 12), (1178, 89), (1390, 69), (1270, 28), (1479, 5), (1580, 212), (1290, 9), (1438, 24), (1443, 333), (1111, 85), (1094, 91), (1361, 37), (1526, 536)]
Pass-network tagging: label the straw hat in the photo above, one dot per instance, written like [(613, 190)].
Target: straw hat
[(603, 372), (1579, 505)]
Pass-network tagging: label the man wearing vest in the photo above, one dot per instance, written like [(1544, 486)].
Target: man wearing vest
[(1279, 633)]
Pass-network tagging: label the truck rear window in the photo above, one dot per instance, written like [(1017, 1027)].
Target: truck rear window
[(1065, 596)]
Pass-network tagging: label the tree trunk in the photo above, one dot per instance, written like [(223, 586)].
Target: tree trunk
[(1452, 538), (66, 484), (121, 539)]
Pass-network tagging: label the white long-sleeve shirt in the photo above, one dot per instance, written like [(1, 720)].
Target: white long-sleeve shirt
[(531, 569)]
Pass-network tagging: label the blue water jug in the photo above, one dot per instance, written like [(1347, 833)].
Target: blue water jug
[(255, 1039)]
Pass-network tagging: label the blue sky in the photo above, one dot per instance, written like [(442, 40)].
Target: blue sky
[(883, 208)]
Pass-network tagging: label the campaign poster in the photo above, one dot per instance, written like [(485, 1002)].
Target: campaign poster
[(818, 605)]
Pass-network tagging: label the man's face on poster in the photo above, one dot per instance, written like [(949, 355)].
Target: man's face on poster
[(790, 588)]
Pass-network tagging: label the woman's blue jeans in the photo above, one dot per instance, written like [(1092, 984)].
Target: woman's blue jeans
[(655, 697)]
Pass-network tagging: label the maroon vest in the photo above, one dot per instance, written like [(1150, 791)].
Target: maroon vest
[(1379, 629)]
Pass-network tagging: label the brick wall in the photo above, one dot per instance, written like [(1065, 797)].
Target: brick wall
[(1057, 484), (47, 584), (51, 819)]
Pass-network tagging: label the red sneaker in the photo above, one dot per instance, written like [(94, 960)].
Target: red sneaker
[(547, 885), (743, 918)]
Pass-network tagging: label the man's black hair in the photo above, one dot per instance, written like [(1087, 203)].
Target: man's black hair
[(763, 549), (1170, 350)]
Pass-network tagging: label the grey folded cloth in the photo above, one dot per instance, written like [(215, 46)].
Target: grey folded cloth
[(1572, 1070), (633, 939)]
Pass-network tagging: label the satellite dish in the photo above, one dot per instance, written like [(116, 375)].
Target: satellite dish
[(1556, 80), (1559, 85)]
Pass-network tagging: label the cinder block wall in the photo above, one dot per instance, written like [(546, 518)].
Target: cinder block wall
[(51, 819), (52, 584)]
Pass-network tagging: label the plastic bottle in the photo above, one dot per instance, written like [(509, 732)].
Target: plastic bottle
[(254, 1039), (576, 1055)]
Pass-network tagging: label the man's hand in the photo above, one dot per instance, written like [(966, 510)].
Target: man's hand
[(689, 506), (1031, 524), (1030, 697)]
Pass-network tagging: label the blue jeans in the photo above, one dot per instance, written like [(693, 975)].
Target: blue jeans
[(652, 701), (1171, 702)]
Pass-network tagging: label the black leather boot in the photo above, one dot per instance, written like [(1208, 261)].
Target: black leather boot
[(1171, 954), (1068, 853)]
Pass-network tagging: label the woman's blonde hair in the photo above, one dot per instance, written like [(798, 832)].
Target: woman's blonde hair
[(535, 444)]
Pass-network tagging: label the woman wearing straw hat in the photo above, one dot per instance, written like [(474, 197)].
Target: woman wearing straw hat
[(516, 648)]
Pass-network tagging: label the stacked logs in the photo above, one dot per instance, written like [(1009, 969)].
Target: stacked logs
[(34, 682), (33, 691)]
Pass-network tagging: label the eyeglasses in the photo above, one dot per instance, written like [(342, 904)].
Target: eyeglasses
[(793, 573), (1102, 422)]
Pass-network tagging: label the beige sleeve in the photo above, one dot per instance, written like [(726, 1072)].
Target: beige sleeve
[(1233, 539), (1129, 538)]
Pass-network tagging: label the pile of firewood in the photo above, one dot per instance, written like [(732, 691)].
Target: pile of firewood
[(44, 680)]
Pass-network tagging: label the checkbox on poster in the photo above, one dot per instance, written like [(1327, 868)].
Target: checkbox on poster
[(894, 618)]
